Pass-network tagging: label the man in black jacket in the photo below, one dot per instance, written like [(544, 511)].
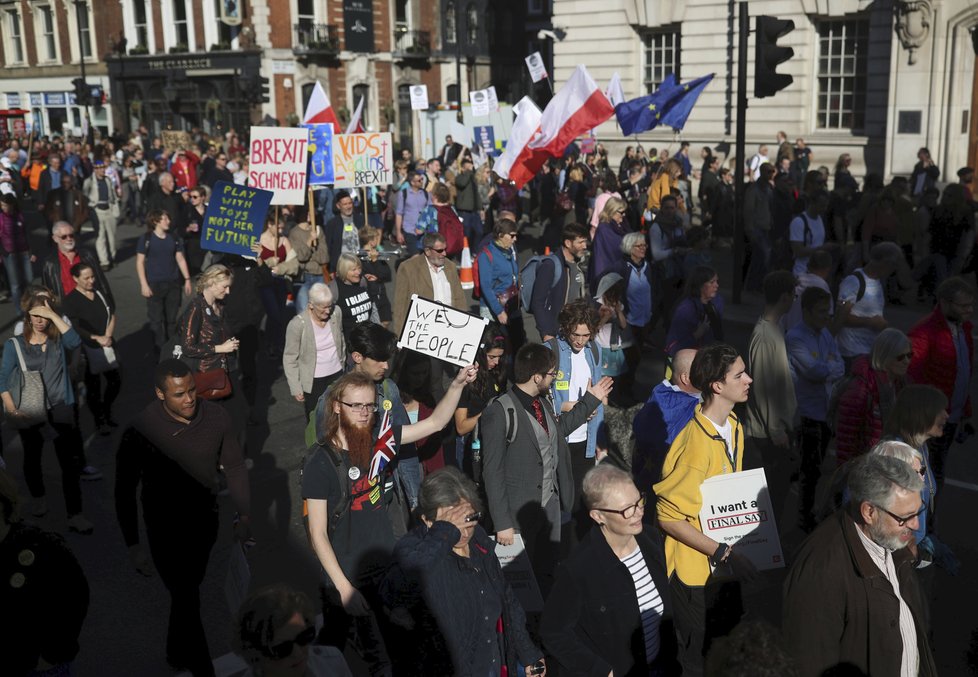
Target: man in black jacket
[(467, 201), (343, 230), (56, 270), (548, 298)]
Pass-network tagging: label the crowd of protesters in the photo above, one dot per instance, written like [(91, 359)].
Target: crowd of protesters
[(415, 471)]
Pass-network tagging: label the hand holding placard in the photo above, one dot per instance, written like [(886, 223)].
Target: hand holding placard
[(434, 329)]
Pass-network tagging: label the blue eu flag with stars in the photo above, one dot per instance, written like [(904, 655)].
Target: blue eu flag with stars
[(670, 104)]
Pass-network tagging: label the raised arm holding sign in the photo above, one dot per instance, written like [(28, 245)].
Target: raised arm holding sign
[(434, 329)]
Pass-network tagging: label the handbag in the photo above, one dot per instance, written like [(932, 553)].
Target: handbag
[(213, 384), (101, 359), (27, 394)]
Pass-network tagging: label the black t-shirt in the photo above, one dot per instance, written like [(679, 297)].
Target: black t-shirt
[(354, 303), (161, 256), (363, 539), (474, 401)]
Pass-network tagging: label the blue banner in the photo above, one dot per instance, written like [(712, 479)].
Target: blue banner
[(320, 154), (485, 136), (234, 218)]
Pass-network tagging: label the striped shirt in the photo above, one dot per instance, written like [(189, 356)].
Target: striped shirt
[(883, 558), (650, 603)]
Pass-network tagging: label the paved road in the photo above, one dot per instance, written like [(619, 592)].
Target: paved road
[(124, 631)]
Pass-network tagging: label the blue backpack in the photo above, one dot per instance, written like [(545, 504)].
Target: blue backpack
[(528, 277)]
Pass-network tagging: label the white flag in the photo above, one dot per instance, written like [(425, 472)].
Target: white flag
[(493, 99), (616, 94), (419, 97), (538, 71)]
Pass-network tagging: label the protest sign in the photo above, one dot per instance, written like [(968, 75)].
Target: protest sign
[(493, 99), (277, 162), (176, 140), (363, 160), (234, 218), (320, 154), (485, 136), (737, 511), (441, 331), (419, 97), (519, 574), (538, 71), (480, 103)]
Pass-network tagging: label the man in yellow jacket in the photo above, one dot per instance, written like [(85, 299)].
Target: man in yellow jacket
[(711, 444)]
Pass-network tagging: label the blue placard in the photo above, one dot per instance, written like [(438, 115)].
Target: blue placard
[(234, 218), (320, 154), (485, 136)]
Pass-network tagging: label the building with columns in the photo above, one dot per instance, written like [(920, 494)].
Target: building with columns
[(877, 79)]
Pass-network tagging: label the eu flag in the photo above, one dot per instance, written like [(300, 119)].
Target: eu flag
[(645, 113), (681, 105)]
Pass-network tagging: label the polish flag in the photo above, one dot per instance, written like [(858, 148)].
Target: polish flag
[(577, 108), (356, 124), (511, 164), (320, 111)]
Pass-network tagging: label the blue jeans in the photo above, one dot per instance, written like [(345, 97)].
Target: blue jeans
[(409, 472), (302, 295), (19, 273)]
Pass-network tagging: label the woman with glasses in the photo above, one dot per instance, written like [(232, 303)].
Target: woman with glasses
[(446, 589), (194, 220), (274, 633), (865, 398), (609, 610), (606, 248), (314, 348), (351, 294)]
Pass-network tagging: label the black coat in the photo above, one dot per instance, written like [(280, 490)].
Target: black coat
[(334, 237), (591, 623), (51, 274)]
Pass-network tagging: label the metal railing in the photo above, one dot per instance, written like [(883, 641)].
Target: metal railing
[(413, 44), (309, 38)]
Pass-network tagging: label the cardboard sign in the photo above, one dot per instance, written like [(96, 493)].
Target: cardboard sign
[(234, 218), (419, 97), (485, 136), (480, 103), (534, 63), (176, 140), (737, 511), (434, 329), (519, 574), (493, 99), (277, 162), (320, 154), (363, 160)]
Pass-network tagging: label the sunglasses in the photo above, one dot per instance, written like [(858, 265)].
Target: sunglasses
[(904, 356), (66, 237), (285, 649), (195, 197), (439, 251)]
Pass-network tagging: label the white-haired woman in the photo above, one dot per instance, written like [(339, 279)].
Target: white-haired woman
[(609, 612), (351, 295), (314, 348)]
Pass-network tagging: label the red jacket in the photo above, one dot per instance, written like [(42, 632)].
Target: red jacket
[(934, 358), (184, 170), (862, 410)]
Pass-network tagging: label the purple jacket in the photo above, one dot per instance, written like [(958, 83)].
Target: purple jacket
[(687, 316), (13, 237), (606, 250)]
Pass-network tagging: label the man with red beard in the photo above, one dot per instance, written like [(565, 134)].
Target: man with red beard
[(353, 510)]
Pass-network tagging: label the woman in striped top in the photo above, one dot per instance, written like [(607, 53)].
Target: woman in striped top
[(608, 612)]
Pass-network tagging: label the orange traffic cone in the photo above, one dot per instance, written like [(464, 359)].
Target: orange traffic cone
[(465, 271), (546, 251)]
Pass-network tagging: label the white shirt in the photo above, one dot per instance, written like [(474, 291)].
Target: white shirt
[(579, 376), (814, 238), (439, 283), (726, 432), (854, 341), (883, 558)]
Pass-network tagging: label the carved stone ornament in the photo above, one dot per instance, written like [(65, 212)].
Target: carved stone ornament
[(913, 19)]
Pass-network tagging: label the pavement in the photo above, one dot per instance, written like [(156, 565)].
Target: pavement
[(126, 624)]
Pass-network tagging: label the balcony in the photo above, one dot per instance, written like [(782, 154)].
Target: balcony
[(412, 46), (315, 39)]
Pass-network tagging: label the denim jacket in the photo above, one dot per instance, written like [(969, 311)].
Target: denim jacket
[(592, 353)]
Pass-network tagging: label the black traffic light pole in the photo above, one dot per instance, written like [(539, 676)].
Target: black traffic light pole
[(738, 243), (81, 6)]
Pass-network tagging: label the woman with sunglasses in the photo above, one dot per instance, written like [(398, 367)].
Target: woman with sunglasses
[(194, 220), (609, 612), (446, 589), (863, 400), (274, 632)]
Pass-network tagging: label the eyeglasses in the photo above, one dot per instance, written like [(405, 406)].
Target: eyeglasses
[(620, 211), (904, 356), (901, 521), (439, 251), (284, 649), (65, 237), (551, 374), (360, 407), (194, 197), (513, 235), (630, 511)]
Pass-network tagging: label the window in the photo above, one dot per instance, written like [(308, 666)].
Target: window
[(451, 25), (46, 46), (225, 34), (472, 23), (13, 44), (84, 30), (452, 93), (843, 47), (661, 52), (181, 32), (141, 23)]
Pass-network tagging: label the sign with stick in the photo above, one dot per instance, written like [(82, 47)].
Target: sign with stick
[(234, 218), (434, 329), (419, 97), (277, 162), (176, 140), (361, 160), (320, 154), (538, 70)]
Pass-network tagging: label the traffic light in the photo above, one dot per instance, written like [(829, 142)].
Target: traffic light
[(263, 96), (82, 92), (768, 55)]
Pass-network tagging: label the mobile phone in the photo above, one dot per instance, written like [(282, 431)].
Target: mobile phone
[(538, 668)]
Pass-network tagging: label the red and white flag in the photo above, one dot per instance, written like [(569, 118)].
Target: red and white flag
[(577, 108), (319, 110), (356, 122), (615, 93), (512, 164), (386, 447)]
